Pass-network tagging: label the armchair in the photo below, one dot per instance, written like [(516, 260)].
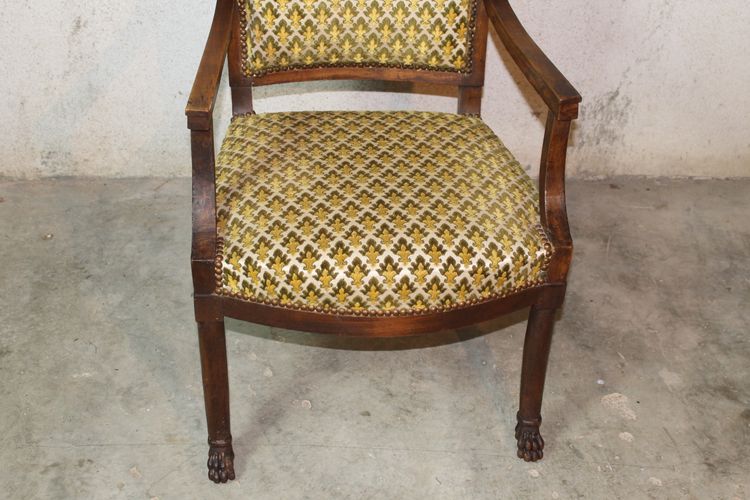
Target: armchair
[(372, 223)]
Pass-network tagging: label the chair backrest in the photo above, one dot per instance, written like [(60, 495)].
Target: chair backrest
[(437, 41)]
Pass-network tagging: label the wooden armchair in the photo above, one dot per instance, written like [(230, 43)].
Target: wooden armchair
[(372, 223)]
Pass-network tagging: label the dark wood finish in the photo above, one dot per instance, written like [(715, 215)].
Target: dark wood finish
[(479, 55), (389, 326), (552, 195), (367, 73), (203, 251), (242, 100), (533, 371), (469, 100), (242, 93), (216, 394), (211, 308)]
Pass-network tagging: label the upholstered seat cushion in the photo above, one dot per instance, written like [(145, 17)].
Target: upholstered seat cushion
[(373, 213)]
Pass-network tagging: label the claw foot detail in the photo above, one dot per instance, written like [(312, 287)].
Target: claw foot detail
[(220, 464), (530, 442)]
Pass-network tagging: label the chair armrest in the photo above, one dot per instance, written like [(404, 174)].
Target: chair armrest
[(559, 95), (200, 105)]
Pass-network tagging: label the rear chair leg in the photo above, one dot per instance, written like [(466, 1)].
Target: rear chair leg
[(534, 369), (216, 393)]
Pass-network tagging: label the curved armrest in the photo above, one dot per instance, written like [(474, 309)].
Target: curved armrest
[(559, 95), (200, 105)]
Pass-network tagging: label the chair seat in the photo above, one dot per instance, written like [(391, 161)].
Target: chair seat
[(373, 213)]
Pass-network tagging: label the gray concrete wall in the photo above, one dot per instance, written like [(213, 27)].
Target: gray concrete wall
[(97, 88)]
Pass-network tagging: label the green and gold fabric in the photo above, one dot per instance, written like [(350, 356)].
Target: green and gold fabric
[(420, 34), (374, 213)]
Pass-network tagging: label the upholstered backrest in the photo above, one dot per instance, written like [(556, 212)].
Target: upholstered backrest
[(280, 35)]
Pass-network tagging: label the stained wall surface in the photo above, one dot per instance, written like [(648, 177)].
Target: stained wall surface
[(97, 88)]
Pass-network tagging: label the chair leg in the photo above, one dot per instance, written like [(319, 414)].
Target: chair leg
[(216, 394), (533, 371)]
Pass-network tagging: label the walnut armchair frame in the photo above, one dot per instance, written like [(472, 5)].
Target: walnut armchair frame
[(211, 307)]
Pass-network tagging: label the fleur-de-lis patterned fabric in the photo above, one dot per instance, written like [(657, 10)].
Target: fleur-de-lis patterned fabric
[(374, 213), (420, 34)]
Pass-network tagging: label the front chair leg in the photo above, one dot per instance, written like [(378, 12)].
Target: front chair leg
[(534, 369), (216, 393)]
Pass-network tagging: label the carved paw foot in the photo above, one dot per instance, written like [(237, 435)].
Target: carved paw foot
[(530, 442), (221, 464)]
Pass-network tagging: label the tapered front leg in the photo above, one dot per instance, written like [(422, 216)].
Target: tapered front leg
[(216, 394), (533, 372)]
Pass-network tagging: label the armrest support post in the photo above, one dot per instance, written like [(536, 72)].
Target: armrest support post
[(203, 251), (552, 207)]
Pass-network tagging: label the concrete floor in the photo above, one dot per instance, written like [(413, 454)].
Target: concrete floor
[(100, 396)]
